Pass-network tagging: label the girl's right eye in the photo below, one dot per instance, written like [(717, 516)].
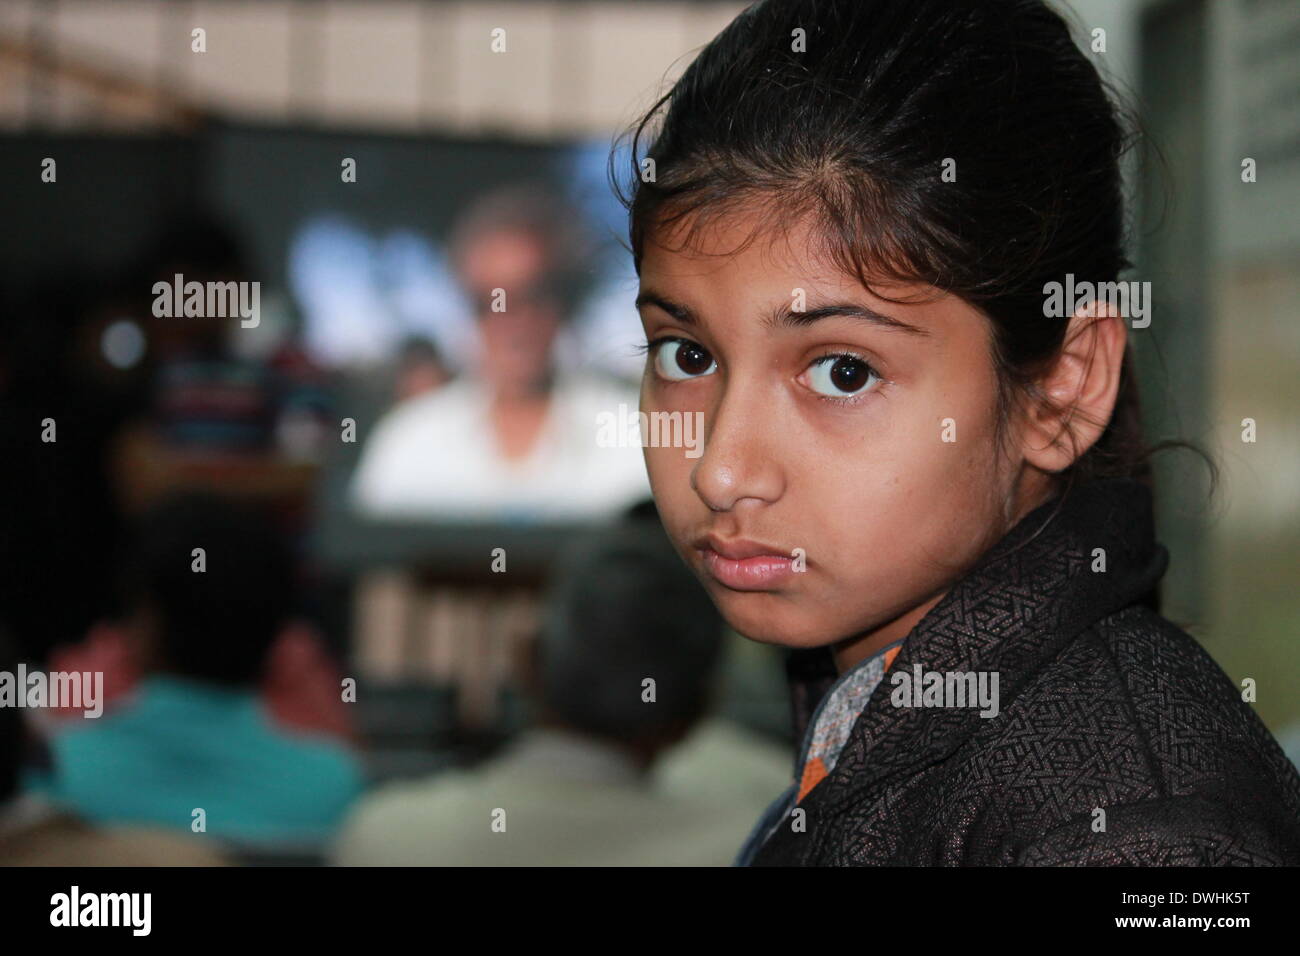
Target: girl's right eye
[(679, 359)]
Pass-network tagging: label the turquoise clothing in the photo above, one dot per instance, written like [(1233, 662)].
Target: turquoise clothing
[(181, 746)]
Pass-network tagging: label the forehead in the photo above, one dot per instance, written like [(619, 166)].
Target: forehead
[(508, 252), (740, 264), (737, 240)]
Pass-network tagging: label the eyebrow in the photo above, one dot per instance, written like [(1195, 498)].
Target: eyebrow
[(786, 316)]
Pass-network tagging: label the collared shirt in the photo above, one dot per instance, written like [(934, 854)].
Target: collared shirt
[(836, 715), (827, 733), (437, 455)]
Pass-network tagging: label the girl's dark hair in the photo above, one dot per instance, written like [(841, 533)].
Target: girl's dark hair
[(854, 130)]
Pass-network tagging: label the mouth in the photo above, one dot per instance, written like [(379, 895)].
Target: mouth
[(744, 565)]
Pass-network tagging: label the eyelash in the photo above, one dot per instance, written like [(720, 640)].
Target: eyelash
[(641, 348), (648, 347)]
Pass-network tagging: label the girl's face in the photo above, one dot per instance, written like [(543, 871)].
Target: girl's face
[(848, 474)]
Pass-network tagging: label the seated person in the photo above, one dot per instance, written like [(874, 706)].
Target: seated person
[(513, 438), (196, 742), (579, 788), (300, 682), (35, 833)]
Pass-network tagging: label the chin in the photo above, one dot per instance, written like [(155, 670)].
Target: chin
[(772, 619)]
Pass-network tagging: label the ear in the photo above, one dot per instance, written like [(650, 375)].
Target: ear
[(1082, 385)]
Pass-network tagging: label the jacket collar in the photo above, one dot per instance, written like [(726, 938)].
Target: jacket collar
[(1030, 595)]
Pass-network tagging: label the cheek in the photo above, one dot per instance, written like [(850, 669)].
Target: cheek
[(913, 496), (669, 472)]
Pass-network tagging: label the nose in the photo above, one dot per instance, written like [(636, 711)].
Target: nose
[(738, 463)]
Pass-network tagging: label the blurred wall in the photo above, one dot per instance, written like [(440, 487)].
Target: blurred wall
[(567, 68)]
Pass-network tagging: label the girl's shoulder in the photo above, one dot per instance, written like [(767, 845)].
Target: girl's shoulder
[(1163, 713)]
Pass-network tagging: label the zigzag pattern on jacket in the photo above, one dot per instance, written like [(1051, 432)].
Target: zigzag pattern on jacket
[(1104, 705)]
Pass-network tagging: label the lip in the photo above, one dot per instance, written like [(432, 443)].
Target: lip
[(744, 565)]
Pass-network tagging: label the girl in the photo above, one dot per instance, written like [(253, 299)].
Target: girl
[(852, 227)]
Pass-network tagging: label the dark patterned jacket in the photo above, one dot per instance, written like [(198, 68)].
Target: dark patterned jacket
[(1104, 705)]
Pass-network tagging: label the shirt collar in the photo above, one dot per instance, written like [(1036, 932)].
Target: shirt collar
[(830, 726)]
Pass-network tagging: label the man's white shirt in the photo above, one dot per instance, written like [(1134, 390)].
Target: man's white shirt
[(436, 455)]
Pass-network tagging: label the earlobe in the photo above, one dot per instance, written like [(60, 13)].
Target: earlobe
[(1078, 392)]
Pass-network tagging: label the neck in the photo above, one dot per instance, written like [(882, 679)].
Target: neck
[(530, 393), (1031, 489), (642, 753), (855, 649)]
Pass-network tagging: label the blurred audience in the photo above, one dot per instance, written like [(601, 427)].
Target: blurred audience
[(34, 832), (229, 409), (210, 586), (624, 670), (205, 397), (511, 438), (299, 686), (725, 762)]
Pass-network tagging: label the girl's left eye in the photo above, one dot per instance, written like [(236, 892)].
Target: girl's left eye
[(841, 376)]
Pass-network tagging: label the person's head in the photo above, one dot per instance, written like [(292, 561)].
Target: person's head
[(200, 247), (621, 611), (516, 253), (843, 251), (208, 584)]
